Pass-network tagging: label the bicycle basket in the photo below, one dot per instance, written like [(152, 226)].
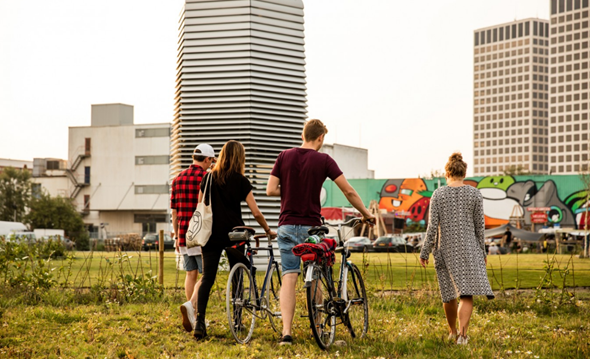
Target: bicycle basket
[(321, 253)]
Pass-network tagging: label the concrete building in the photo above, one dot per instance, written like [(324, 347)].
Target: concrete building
[(241, 76), (119, 172), (353, 161), (510, 109), (18, 164), (569, 123), (51, 175)]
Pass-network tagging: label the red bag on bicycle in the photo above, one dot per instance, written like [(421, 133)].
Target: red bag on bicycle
[(322, 252)]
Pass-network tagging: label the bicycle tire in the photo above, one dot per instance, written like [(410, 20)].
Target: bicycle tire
[(320, 307), (240, 303), (273, 292), (357, 316)]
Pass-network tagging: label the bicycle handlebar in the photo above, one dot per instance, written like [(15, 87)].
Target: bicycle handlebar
[(350, 223)]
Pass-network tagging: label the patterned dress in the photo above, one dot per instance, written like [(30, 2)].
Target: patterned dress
[(456, 237)]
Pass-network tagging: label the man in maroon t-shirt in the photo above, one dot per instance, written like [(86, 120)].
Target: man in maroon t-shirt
[(297, 177)]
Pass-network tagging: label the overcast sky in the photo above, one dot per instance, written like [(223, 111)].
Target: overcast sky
[(392, 76)]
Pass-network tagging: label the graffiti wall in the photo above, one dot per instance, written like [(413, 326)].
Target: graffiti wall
[(563, 198)]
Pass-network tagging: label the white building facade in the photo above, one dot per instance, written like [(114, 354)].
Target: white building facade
[(353, 161), (119, 172)]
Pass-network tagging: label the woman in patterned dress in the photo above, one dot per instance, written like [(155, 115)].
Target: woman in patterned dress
[(456, 237)]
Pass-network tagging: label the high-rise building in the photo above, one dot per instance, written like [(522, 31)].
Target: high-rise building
[(241, 76), (568, 110), (510, 112)]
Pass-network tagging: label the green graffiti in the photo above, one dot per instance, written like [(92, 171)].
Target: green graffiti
[(500, 182)]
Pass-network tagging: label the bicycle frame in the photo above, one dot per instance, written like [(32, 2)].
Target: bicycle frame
[(271, 261)]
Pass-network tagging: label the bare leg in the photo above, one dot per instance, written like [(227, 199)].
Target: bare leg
[(190, 282), (451, 314), (288, 301), (465, 310)]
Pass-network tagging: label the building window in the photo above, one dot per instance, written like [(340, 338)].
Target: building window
[(86, 203), (152, 132), (87, 146), (152, 160), (152, 189), (87, 175)]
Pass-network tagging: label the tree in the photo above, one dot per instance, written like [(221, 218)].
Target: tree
[(57, 213), (15, 193), (514, 170), (434, 174)]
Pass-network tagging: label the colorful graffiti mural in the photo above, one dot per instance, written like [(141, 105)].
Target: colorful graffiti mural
[(564, 196)]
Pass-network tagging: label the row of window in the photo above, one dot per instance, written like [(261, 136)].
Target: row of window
[(568, 118), (569, 78), (509, 159), (569, 38), (570, 68), (495, 151), (489, 170), (569, 108), (507, 54), (508, 115), (514, 79), (509, 32), (569, 148), (567, 48), (561, 6), (570, 168), (569, 88), (507, 45), (570, 138), (569, 27)]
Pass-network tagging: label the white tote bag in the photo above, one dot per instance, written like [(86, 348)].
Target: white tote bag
[(201, 223)]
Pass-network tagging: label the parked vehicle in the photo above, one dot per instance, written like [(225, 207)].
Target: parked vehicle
[(392, 244), (359, 244), (151, 241)]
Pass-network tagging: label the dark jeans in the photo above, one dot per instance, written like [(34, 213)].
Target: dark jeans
[(211, 257)]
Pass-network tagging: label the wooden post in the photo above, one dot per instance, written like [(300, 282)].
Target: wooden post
[(161, 250)]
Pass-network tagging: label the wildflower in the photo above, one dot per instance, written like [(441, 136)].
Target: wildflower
[(529, 352), (517, 351), (508, 351)]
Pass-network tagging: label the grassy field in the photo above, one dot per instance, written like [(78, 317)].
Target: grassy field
[(406, 316), (385, 271)]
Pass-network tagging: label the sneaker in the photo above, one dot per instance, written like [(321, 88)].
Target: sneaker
[(452, 337), (188, 316), (286, 340)]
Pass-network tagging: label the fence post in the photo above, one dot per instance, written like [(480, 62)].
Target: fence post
[(161, 250)]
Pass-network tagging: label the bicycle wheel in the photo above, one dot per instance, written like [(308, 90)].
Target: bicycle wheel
[(320, 307), (357, 316), (273, 291), (240, 303)]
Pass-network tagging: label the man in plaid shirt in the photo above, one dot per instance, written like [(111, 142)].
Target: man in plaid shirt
[(183, 202)]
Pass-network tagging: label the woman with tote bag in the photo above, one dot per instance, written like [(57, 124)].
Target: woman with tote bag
[(227, 190)]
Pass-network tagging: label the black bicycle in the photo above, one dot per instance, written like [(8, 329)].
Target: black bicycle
[(329, 305), (243, 301)]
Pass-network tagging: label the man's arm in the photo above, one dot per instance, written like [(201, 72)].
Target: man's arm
[(351, 196), (175, 227), (273, 187)]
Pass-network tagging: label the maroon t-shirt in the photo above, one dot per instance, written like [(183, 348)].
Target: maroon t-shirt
[(302, 172)]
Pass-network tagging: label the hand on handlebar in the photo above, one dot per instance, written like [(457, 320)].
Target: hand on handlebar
[(371, 220), (271, 234)]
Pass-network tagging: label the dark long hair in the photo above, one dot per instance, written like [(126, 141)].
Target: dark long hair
[(232, 159)]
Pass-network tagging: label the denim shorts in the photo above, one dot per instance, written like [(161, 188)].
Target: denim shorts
[(192, 263), (288, 236)]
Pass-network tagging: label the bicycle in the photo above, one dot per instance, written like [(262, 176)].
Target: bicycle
[(243, 301), (326, 303)]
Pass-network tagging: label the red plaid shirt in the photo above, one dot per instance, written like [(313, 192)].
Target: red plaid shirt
[(184, 198)]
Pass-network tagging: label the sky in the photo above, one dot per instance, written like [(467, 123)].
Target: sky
[(392, 76)]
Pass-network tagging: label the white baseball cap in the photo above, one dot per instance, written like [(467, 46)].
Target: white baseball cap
[(204, 150)]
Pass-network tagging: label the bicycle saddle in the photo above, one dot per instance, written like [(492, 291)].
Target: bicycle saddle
[(244, 228), (318, 230)]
